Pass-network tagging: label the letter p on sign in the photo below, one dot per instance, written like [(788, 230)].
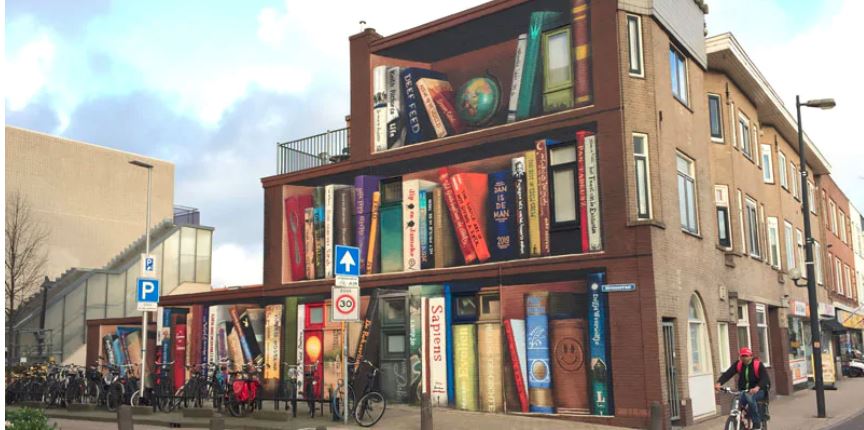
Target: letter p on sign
[(148, 294)]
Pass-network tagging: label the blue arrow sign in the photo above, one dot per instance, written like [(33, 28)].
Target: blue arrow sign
[(346, 261)]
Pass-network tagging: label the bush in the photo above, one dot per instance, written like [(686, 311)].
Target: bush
[(26, 419)]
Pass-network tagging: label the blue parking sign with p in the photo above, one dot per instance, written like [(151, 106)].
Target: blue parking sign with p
[(148, 291), (149, 262)]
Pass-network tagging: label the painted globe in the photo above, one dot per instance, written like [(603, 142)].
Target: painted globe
[(478, 100)]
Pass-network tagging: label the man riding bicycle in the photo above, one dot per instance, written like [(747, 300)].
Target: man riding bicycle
[(753, 383)]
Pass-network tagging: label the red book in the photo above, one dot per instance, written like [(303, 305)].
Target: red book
[(582, 48), (456, 217), (472, 191), (294, 228), (517, 369), (442, 94), (194, 341), (179, 355), (583, 213), (543, 195)]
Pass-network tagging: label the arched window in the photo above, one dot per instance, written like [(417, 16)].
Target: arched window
[(699, 348)]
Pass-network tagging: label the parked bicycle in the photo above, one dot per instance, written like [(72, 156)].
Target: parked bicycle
[(371, 406), (123, 388), (242, 397), (163, 387), (739, 418)]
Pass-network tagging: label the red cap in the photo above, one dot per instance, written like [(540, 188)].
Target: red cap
[(745, 352)]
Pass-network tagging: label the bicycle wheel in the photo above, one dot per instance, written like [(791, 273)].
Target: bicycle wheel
[(337, 402), (370, 409), (135, 398), (92, 393), (73, 394), (234, 407), (115, 397)]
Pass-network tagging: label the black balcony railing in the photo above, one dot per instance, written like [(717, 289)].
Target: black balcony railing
[(313, 151)]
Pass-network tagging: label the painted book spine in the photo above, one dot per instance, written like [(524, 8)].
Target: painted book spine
[(372, 259), (235, 349), (415, 341), (430, 230), (442, 94), (364, 186), (117, 346), (518, 67), (319, 231), (520, 206), (465, 363), (515, 331), (203, 352), (212, 330), (502, 215), (395, 120), (570, 389), (542, 159), (379, 108), (592, 194), (471, 218), (448, 318), (583, 214), (222, 341), (368, 345), (417, 120), (309, 243), (294, 227), (582, 48), (329, 201), (537, 353), (344, 216), (289, 334), (392, 255), (241, 336), (179, 354), (445, 245), (599, 370), (251, 338), (411, 225), (435, 350), (301, 350), (533, 207), (272, 341), (464, 239), (423, 86), (423, 230), (529, 90), (489, 355)]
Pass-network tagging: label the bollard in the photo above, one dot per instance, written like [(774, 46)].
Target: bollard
[(217, 423), (425, 412), (656, 416), (124, 418)]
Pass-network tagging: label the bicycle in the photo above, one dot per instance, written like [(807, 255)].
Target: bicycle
[(739, 417), (242, 396), (217, 384), (371, 406), (163, 387)]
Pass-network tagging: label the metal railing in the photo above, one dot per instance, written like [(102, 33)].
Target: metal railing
[(313, 151)]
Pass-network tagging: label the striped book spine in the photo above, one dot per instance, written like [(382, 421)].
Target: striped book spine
[(582, 46), (515, 331)]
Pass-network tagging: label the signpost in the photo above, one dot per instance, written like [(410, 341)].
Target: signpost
[(148, 266), (345, 300), (148, 294)]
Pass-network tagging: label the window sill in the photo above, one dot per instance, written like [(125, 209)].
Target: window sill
[(717, 140), (651, 222), (637, 75), (690, 233)]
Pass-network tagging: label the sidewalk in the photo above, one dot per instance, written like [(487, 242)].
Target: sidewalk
[(798, 411)]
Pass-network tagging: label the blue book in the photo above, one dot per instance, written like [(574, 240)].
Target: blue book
[(205, 334), (423, 231), (537, 352), (166, 335), (502, 216), (430, 230), (416, 118), (531, 87), (599, 368)]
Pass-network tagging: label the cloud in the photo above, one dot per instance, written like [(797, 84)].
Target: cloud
[(236, 265), (28, 69)]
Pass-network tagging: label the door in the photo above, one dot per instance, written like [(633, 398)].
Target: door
[(314, 345), (671, 372), (700, 378), (394, 348)]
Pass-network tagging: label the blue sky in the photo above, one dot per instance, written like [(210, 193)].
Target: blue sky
[(212, 86)]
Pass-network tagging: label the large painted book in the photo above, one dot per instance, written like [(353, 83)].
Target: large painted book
[(411, 189), (364, 187), (179, 352), (570, 388), (133, 346), (289, 334), (434, 357), (446, 251), (368, 348), (501, 220), (396, 131), (448, 315), (309, 245), (416, 294), (537, 353), (425, 257), (235, 350), (582, 45), (193, 350), (330, 220), (211, 333), (529, 103), (343, 216), (204, 351), (490, 361), (471, 191), (391, 225), (514, 330), (557, 70), (373, 252), (580, 175), (417, 120), (272, 347), (223, 351), (318, 223), (301, 347), (465, 365), (295, 223), (542, 157), (241, 336), (439, 99), (108, 348), (518, 67), (532, 204), (520, 207), (599, 371), (119, 354), (257, 322), (424, 86), (379, 108), (592, 195)]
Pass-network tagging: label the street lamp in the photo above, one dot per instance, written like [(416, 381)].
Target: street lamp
[(816, 337), (144, 314)]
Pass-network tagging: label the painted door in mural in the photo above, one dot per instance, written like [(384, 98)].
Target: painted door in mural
[(394, 348), (314, 344), (671, 370)]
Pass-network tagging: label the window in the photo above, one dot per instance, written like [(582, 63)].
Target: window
[(789, 240), (752, 227), (562, 166), (799, 237), (841, 225), (767, 165), (838, 275), (781, 170), (763, 234), (773, 242), (721, 200), (678, 73), (741, 223), (723, 345), (811, 195), (732, 123), (699, 349), (762, 333), (643, 181), (715, 118), (817, 262), (847, 280), (687, 194), (743, 326), (744, 135), (634, 36), (796, 181), (832, 212)]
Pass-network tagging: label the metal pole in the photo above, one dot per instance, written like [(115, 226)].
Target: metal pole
[(345, 372), (816, 338), (145, 313)]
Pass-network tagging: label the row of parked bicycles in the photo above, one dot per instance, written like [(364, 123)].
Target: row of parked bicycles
[(236, 391)]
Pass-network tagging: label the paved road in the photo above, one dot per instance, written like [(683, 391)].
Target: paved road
[(856, 423)]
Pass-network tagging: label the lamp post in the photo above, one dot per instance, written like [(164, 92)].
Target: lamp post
[(144, 314), (816, 337)]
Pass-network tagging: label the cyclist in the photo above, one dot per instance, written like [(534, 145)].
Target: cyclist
[(753, 382)]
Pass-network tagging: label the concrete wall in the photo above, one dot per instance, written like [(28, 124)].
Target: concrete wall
[(90, 198)]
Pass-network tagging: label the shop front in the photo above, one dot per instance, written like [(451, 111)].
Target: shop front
[(849, 342)]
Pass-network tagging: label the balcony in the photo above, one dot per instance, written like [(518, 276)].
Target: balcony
[(313, 151)]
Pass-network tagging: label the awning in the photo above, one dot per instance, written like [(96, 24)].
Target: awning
[(833, 325)]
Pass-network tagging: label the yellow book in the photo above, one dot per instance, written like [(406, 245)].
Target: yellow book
[(532, 203)]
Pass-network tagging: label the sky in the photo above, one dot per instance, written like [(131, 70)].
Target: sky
[(213, 86)]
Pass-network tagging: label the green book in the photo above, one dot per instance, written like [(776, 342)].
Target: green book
[(390, 224), (530, 89), (465, 366), (289, 332)]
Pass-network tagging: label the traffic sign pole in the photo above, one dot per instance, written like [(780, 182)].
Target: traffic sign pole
[(345, 371)]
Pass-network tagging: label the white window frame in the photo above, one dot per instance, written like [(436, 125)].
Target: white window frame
[(832, 207), (841, 225), (796, 181), (763, 234), (764, 339), (781, 170), (767, 164), (752, 227), (799, 238), (700, 324), (811, 194), (718, 139), (838, 275), (789, 241), (817, 262), (741, 223), (721, 203), (848, 280), (754, 128), (635, 52), (744, 135), (723, 345), (773, 242), (744, 322), (692, 208), (680, 93), (643, 184)]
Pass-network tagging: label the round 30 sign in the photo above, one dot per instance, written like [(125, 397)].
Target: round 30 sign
[(345, 300)]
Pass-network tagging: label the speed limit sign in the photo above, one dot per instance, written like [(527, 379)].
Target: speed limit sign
[(346, 304)]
